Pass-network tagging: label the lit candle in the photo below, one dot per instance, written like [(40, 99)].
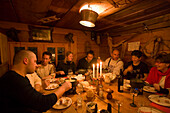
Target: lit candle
[(97, 70), (100, 69), (93, 70)]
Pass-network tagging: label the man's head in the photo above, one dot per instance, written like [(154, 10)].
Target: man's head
[(162, 62), (136, 56), (46, 58), (90, 55), (25, 59), (115, 54)]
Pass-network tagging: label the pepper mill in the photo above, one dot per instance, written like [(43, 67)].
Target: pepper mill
[(109, 95)]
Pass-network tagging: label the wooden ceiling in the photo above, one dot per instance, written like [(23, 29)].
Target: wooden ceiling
[(118, 16)]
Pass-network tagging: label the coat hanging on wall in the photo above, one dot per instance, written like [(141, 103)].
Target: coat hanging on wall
[(69, 37)]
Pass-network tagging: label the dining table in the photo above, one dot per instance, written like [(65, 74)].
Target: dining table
[(119, 99)]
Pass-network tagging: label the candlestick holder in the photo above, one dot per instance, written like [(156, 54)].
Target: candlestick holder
[(101, 81), (94, 81), (97, 86)]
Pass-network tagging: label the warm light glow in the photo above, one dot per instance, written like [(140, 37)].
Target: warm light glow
[(97, 8), (87, 23)]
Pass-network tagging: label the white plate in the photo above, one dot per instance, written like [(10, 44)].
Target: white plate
[(52, 86), (109, 75), (148, 110), (149, 89), (85, 84), (80, 77), (164, 101), (58, 104)]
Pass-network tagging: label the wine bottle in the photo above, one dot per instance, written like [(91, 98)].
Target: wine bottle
[(120, 81), (109, 108)]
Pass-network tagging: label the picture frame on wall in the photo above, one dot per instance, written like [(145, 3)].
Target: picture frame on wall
[(40, 34)]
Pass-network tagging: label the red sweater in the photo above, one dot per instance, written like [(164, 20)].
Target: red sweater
[(155, 76)]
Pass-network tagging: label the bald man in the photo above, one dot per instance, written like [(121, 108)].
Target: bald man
[(17, 95), (113, 64)]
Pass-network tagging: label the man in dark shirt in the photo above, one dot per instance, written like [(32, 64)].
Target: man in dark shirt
[(136, 68), (17, 95), (87, 61)]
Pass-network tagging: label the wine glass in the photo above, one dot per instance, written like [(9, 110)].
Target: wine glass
[(70, 72), (118, 103), (79, 90), (133, 92)]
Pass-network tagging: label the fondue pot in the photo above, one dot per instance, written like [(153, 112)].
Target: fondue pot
[(136, 83)]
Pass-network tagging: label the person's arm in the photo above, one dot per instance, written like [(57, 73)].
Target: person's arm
[(37, 82), (151, 76), (60, 73), (145, 76), (65, 87), (23, 92), (160, 89), (128, 69), (38, 87), (53, 70), (116, 70), (105, 64)]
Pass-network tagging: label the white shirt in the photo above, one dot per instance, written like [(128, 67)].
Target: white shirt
[(114, 66), (162, 81), (44, 71), (34, 79)]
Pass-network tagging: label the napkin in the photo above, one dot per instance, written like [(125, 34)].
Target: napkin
[(71, 109), (162, 108)]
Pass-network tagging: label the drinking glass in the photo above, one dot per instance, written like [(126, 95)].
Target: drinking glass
[(118, 103), (79, 90), (70, 72)]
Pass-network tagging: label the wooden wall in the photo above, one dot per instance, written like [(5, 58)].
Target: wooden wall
[(3, 54), (82, 39), (143, 38)]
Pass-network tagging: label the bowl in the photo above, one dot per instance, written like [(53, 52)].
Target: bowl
[(81, 71), (90, 107)]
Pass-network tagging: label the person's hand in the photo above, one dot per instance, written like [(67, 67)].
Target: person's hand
[(130, 68), (61, 72), (67, 86), (39, 65), (47, 82), (99, 60), (156, 86)]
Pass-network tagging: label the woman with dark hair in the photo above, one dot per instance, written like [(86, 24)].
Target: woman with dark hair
[(159, 76), (68, 64)]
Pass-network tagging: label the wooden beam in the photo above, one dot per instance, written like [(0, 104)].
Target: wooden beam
[(131, 13), (149, 23), (143, 17)]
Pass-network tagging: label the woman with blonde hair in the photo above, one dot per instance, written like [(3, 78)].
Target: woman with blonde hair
[(68, 65)]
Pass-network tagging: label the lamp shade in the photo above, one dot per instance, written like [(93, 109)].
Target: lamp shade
[(88, 18)]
